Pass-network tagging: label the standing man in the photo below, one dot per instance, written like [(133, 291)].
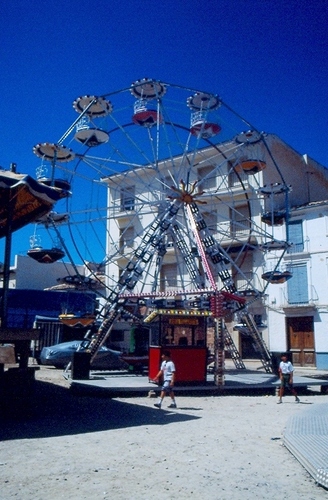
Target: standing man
[(286, 370), (167, 372)]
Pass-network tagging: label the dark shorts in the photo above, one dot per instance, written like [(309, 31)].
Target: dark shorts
[(284, 381), (166, 387)]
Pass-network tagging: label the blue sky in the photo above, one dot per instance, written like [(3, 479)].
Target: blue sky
[(267, 60)]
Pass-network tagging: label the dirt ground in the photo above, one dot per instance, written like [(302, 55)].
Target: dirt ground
[(83, 447)]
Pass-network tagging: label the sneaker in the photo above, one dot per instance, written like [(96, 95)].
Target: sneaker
[(158, 405), (297, 399), (279, 402), (172, 405)]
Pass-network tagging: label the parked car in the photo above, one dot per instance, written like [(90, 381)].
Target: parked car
[(60, 355)]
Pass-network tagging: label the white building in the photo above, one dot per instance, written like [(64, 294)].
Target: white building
[(28, 274), (266, 205), (298, 310)]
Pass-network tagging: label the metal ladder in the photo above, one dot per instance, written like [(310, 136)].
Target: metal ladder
[(189, 258), (219, 260), (232, 349), (132, 273), (259, 344)]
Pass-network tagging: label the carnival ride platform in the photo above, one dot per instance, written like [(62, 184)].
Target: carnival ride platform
[(246, 382)]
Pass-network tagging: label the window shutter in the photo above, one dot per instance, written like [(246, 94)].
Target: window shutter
[(296, 236), (297, 286)]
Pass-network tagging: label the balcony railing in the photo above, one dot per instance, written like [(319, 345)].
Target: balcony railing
[(249, 281), (311, 301), (298, 248), (127, 246), (127, 204), (233, 230)]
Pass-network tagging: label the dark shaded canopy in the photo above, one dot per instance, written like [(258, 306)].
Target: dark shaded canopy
[(23, 200)]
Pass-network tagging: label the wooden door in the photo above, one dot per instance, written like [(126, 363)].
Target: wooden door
[(301, 340)]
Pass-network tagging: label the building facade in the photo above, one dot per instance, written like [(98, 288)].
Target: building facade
[(266, 206), (297, 311)]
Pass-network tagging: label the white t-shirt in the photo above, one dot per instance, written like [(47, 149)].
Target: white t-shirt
[(168, 368), (286, 368)]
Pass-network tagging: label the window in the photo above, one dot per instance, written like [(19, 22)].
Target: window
[(258, 319), (126, 237), (168, 276), (240, 221), (169, 241), (235, 178), (295, 236), (243, 279), (297, 286), (206, 178), (127, 198), (167, 184)]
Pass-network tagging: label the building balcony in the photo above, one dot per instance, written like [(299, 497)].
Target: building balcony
[(226, 193), (298, 248), (304, 304), (234, 236), (127, 246), (123, 216), (301, 307), (248, 284)]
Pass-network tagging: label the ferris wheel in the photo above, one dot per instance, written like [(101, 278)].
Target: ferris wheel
[(172, 192)]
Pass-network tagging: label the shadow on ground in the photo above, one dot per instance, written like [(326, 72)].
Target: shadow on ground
[(50, 410)]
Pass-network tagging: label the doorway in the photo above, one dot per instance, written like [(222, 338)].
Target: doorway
[(300, 340)]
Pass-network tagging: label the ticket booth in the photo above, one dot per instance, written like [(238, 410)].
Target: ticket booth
[(183, 333)]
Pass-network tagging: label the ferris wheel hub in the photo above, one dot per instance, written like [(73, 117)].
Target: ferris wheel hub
[(185, 193)]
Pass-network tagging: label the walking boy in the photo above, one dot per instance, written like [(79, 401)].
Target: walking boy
[(167, 371), (286, 370)]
